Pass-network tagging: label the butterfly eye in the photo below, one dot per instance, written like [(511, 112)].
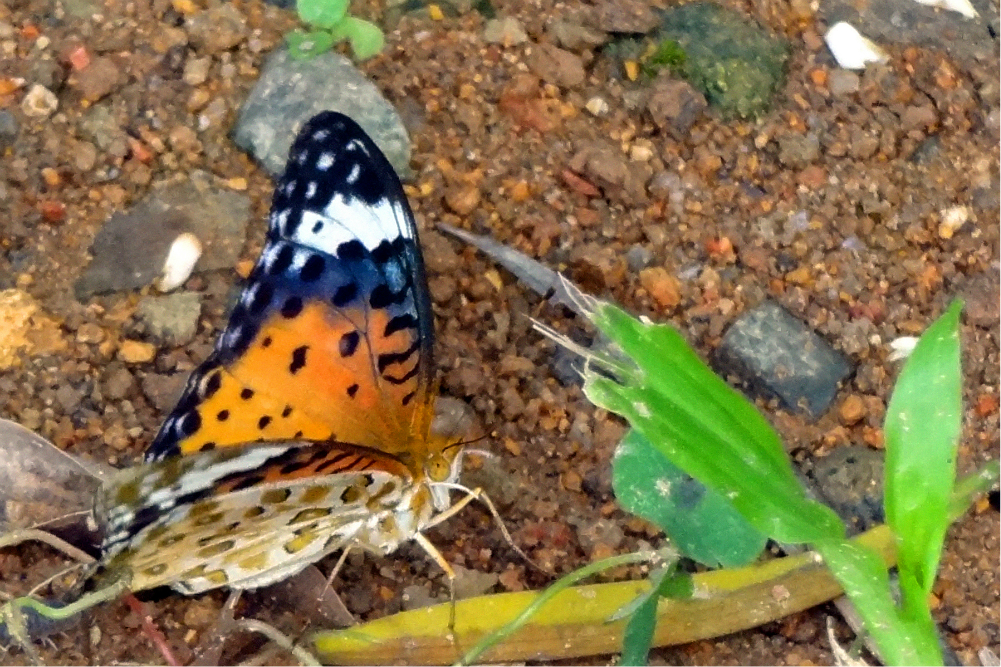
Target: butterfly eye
[(437, 468)]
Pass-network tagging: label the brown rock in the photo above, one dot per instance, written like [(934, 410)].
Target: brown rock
[(625, 16), (463, 200), (662, 286), (99, 79), (574, 36), (918, 118), (556, 66), (852, 410), (217, 29), (674, 105)]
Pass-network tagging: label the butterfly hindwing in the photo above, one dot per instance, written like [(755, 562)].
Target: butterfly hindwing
[(332, 336), (245, 516)]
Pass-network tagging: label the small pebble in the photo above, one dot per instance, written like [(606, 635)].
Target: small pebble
[(506, 31), (136, 352), (39, 102), (852, 410), (662, 286), (597, 106), (953, 220)]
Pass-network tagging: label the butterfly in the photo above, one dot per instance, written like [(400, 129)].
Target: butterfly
[(309, 427)]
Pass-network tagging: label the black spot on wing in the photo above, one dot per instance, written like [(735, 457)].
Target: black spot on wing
[(282, 261), (313, 268), (351, 251), (292, 307), (383, 297), (348, 343), (298, 359), (345, 294), (400, 323)]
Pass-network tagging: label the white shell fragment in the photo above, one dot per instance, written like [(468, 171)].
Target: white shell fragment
[(851, 49), (902, 347), (181, 259), (962, 6)]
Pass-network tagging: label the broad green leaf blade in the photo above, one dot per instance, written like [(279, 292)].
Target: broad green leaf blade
[(366, 37), (901, 640), (324, 14), (303, 45), (706, 428), (701, 523), (922, 430)]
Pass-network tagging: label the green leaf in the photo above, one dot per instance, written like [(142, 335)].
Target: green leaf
[(971, 487), (922, 429), (323, 14), (366, 38), (306, 45), (701, 524), (638, 634), (704, 427), (903, 639)]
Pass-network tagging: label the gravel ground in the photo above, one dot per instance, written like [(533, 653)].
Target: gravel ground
[(841, 203)]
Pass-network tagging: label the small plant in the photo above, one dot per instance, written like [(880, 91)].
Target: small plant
[(330, 24), (680, 410)]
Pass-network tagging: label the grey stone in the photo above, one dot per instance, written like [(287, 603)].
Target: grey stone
[(99, 125), (68, 397), (638, 258), (164, 390), (850, 480), (470, 583), (130, 248), (8, 128), (171, 319), (798, 150), (843, 82), (118, 381), (289, 92), (889, 22), (779, 357)]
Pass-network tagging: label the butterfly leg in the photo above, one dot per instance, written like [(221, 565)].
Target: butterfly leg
[(210, 651), (479, 494), (337, 568)]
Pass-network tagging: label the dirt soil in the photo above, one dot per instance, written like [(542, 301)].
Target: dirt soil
[(852, 236)]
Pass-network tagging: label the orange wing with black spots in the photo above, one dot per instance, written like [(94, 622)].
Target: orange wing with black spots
[(332, 336)]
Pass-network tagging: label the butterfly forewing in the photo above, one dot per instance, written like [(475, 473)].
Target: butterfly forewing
[(335, 322)]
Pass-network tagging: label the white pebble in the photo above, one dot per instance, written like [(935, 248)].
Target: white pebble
[(181, 259), (39, 102), (851, 49), (952, 219), (597, 106), (902, 347), (962, 6)]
